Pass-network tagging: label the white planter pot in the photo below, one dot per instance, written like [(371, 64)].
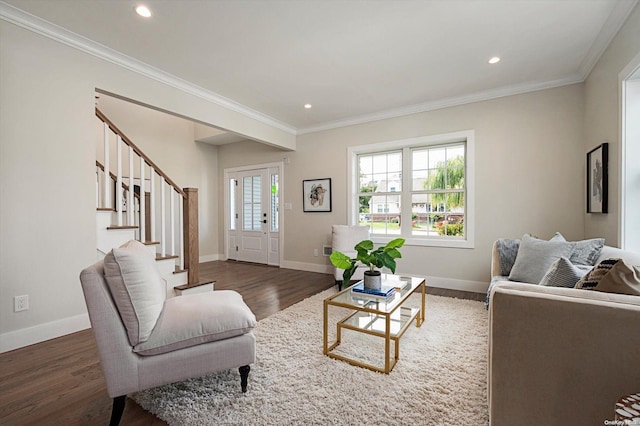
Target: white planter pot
[(373, 280)]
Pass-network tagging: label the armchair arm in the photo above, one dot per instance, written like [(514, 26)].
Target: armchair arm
[(119, 363)]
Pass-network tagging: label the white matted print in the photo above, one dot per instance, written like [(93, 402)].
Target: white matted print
[(317, 195)]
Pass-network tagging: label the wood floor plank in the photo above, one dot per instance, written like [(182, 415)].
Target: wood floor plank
[(60, 381)]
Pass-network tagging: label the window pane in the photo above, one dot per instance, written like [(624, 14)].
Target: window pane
[(251, 205), (232, 204), (423, 220), (380, 172), (274, 202)]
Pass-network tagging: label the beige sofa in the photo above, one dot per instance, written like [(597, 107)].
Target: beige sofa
[(561, 356)]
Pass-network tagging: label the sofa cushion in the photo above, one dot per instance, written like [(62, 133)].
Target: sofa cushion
[(621, 278), (563, 273), (536, 256), (137, 288), (585, 252), (194, 319), (591, 280)]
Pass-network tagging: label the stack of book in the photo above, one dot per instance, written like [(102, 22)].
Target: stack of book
[(385, 294)]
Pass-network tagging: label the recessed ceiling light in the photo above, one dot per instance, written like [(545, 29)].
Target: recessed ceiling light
[(308, 106), (494, 60), (143, 11)]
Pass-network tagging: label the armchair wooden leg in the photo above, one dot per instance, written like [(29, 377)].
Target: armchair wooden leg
[(244, 375), (117, 410)]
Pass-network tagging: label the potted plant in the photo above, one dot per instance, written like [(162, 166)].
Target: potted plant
[(384, 256)]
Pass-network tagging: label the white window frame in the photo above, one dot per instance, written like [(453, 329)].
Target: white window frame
[(466, 136)]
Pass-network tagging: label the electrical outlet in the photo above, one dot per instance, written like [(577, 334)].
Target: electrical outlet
[(21, 303)]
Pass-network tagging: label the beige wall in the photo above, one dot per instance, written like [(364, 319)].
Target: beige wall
[(47, 173), (529, 163), (602, 120), (170, 143)]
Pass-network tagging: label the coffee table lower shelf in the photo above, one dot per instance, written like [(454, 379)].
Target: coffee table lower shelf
[(376, 325)]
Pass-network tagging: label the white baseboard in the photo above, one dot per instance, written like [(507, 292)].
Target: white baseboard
[(455, 284), (209, 258), (309, 267), (440, 282), (39, 333)]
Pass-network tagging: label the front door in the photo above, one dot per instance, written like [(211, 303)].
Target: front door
[(253, 234)]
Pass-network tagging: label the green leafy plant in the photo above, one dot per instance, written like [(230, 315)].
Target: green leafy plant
[(381, 257), (452, 229)]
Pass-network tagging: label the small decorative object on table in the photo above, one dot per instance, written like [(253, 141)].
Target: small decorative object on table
[(385, 293), (384, 256)]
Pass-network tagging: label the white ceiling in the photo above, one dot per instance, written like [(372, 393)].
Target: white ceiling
[(354, 60)]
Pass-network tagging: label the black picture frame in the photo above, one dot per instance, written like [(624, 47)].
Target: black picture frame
[(598, 179), (316, 195)]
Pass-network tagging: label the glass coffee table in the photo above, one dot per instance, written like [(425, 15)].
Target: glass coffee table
[(386, 319)]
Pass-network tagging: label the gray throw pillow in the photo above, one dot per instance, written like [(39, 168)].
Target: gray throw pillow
[(563, 273), (535, 257), (507, 252), (586, 252)]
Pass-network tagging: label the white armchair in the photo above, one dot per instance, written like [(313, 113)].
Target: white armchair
[(146, 341), (343, 239)]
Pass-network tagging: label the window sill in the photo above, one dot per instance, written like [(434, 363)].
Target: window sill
[(424, 242)]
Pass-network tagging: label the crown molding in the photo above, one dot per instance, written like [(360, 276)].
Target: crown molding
[(612, 25), (445, 103), (54, 32)]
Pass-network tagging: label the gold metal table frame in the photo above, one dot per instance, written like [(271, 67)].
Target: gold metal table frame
[(386, 319)]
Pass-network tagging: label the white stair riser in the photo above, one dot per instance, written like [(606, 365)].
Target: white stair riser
[(110, 238)]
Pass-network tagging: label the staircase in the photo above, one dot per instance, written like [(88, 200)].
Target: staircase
[(136, 200)]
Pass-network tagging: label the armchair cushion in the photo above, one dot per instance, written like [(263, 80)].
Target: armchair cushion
[(194, 319), (137, 288)]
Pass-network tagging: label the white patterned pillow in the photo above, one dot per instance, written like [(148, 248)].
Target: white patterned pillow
[(563, 273)]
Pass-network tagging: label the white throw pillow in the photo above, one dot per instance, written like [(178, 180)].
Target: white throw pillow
[(535, 257), (137, 288)]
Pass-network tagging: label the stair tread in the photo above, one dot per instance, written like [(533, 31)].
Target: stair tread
[(179, 271), (167, 256), (198, 284), (122, 227), (150, 243), (105, 209)]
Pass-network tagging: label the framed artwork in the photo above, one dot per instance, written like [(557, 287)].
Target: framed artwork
[(597, 179), (317, 195)]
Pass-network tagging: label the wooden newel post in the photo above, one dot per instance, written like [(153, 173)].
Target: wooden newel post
[(190, 235)]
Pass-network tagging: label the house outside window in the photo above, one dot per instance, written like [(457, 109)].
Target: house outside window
[(421, 189)]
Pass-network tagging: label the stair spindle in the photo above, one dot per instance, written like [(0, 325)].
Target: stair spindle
[(152, 202), (118, 180), (107, 179), (142, 202), (172, 220), (131, 192), (163, 208)]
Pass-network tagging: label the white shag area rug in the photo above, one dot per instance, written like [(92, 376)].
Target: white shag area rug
[(440, 379)]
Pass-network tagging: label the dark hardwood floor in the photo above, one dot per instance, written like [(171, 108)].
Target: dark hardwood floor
[(60, 382)]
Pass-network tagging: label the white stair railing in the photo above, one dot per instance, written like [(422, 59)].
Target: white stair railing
[(125, 188)]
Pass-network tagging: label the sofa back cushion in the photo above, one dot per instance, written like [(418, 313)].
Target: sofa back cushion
[(137, 288)]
